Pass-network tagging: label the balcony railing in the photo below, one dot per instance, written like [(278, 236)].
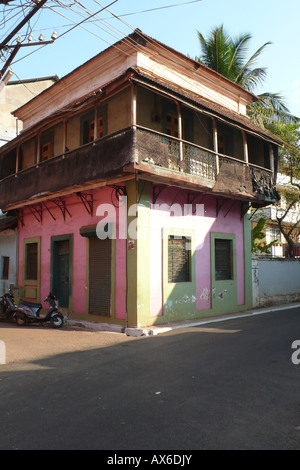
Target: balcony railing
[(179, 155), (106, 158)]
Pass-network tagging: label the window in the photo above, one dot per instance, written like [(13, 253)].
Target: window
[(172, 125), (87, 124), (273, 234), (5, 267), (45, 151), (179, 259), (31, 257), (92, 129), (223, 259), (46, 145)]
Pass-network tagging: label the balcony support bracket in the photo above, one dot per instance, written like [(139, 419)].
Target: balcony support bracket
[(37, 212), (253, 213), (87, 200), (156, 192), (231, 206), (47, 208), (62, 206), (219, 205), (192, 197)]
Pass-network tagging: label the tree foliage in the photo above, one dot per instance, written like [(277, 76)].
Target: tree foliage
[(257, 234), (228, 56)]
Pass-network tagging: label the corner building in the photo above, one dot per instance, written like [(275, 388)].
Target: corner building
[(156, 151)]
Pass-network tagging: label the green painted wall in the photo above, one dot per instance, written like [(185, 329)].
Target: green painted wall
[(138, 253), (179, 299), (248, 261), (224, 292)]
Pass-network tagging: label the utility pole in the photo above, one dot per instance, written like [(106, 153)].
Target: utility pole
[(23, 22), (15, 48)]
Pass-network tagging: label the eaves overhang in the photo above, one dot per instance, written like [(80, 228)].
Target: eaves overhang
[(202, 105), (168, 89)]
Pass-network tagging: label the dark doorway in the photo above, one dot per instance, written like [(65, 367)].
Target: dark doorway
[(61, 258)]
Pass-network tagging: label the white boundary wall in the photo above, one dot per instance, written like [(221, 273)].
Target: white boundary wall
[(275, 281)]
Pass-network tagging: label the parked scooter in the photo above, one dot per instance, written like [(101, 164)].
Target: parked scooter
[(7, 307), (29, 312)]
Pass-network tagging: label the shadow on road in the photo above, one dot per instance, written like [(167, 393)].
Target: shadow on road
[(200, 388)]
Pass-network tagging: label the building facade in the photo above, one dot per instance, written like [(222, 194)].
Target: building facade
[(12, 96), (288, 213), (131, 182)]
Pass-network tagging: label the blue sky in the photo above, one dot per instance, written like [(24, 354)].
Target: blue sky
[(266, 20)]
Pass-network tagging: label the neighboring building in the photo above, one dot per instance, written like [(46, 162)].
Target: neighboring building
[(142, 121), (291, 222), (8, 252), (12, 96)]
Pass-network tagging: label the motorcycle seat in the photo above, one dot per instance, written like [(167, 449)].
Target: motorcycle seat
[(30, 304)]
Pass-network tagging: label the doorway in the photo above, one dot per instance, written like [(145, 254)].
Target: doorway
[(61, 250), (100, 279)]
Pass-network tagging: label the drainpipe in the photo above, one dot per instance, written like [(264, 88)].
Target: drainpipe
[(245, 143), (38, 153), (215, 143), (17, 260), (64, 137), (96, 123), (17, 158), (179, 117), (133, 104), (271, 151), (133, 120)]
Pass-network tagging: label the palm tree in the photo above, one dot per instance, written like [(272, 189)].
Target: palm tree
[(227, 56)]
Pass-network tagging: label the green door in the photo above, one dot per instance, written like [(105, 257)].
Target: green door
[(223, 273), (61, 272)]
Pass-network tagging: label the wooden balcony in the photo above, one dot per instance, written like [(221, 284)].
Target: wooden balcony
[(221, 174), (155, 156)]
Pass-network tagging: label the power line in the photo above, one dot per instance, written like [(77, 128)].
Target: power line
[(159, 8), (86, 19), (110, 29)]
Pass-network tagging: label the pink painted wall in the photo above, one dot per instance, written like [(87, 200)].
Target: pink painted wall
[(71, 225), (228, 221)]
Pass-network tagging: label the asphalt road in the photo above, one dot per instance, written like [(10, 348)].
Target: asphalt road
[(227, 385)]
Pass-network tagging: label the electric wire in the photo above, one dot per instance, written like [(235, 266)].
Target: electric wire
[(96, 13), (108, 29), (129, 41), (159, 8)]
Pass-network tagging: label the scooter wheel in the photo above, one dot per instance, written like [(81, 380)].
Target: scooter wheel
[(57, 321), (20, 320)]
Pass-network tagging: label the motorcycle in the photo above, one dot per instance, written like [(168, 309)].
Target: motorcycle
[(7, 307), (29, 312)]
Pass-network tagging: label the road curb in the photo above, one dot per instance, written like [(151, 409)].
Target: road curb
[(156, 330)]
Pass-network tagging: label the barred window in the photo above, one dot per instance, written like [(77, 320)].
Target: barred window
[(223, 260), (179, 259)]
